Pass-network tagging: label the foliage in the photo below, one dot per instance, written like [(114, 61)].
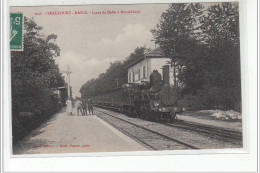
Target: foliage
[(34, 74), (115, 76), (177, 34), (205, 44), (222, 38), (138, 53), (192, 102)]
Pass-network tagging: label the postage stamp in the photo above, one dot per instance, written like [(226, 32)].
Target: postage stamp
[(16, 31)]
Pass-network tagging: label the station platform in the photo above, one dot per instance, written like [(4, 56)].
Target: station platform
[(236, 126), (75, 134)]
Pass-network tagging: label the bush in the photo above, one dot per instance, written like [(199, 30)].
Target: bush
[(24, 122), (212, 97), (192, 103)]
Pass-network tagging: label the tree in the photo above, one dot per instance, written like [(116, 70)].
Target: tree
[(34, 77), (204, 47), (114, 77), (177, 34), (33, 71), (138, 53), (221, 35)]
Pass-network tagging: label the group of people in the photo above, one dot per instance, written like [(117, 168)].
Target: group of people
[(82, 107)]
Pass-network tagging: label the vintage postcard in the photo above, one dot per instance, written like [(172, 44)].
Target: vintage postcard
[(124, 78)]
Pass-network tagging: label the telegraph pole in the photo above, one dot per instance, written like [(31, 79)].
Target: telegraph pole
[(68, 78)]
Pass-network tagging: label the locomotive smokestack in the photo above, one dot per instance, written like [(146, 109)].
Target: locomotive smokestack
[(166, 74)]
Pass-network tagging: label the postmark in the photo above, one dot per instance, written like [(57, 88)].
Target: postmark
[(16, 31)]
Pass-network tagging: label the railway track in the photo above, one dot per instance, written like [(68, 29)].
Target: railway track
[(218, 133), (149, 138), (214, 132)]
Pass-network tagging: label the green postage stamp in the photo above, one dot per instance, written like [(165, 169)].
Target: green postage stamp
[(16, 32)]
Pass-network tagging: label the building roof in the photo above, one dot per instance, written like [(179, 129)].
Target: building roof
[(155, 53)]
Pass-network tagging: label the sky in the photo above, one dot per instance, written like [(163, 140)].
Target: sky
[(90, 42)]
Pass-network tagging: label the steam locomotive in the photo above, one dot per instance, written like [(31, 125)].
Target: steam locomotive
[(154, 100)]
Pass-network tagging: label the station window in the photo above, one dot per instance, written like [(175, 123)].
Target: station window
[(139, 74), (144, 72), (133, 76), (129, 78)]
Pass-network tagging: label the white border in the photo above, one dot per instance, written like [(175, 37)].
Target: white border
[(243, 160), (82, 2)]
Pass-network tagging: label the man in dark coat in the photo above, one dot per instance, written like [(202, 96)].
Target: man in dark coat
[(90, 107), (84, 107)]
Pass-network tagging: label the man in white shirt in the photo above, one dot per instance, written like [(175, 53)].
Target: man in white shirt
[(69, 106)]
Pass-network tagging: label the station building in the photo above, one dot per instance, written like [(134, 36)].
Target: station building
[(141, 69)]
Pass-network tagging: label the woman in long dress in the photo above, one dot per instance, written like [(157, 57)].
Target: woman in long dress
[(69, 107)]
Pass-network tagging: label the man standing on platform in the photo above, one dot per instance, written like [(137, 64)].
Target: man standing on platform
[(69, 106), (84, 107), (78, 105), (90, 106)]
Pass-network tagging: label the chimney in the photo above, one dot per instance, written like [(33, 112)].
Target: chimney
[(166, 74)]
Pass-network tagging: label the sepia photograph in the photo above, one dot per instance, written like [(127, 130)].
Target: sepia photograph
[(125, 78)]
